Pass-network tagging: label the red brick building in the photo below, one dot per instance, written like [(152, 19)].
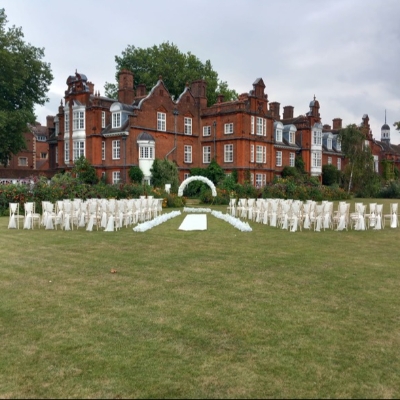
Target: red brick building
[(247, 135)]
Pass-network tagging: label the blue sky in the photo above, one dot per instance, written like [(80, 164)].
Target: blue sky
[(345, 52)]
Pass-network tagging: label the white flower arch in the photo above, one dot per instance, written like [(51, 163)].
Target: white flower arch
[(197, 178)]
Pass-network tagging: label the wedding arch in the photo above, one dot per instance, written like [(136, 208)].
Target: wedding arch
[(197, 178)]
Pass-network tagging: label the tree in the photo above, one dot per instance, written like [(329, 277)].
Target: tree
[(84, 171), (136, 174), (24, 82), (214, 172), (175, 67), (397, 125), (360, 171), (164, 171), (330, 175)]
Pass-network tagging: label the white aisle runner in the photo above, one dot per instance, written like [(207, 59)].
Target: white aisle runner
[(194, 222)]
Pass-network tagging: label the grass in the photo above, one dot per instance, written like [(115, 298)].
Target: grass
[(209, 314)]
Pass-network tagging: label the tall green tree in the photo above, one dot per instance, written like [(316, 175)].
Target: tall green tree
[(397, 125), (175, 67), (360, 170), (85, 171), (24, 82), (164, 171)]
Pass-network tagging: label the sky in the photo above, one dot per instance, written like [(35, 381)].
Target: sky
[(345, 52)]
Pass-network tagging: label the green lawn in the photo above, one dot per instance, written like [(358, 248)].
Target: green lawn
[(203, 314)]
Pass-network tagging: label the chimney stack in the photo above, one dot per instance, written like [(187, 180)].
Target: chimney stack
[(337, 123), (288, 112)]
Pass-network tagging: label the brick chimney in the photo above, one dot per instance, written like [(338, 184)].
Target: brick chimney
[(337, 123), (274, 107), (126, 93), (199, 91), (220, 98), (50, 121), (91, 87), (141, 90), (288, 112)]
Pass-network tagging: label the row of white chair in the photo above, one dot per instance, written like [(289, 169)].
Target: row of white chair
[(295, 214), (109, 214)]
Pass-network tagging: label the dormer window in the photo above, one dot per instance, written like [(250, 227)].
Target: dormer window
[(338, 145), (291, 137), (278, 135), (116, 120), (329, 143)]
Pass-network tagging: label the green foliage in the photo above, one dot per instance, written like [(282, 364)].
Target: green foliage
[(388, 170), (397, 125), (85, 172), (164, 171), (391, 190), (214, 172), (24, 82), (136, 174), (290, 189), (173, 200), (359, 173), (330, 175), (299, 164), (176, 68), (289, 172), (222, 197)]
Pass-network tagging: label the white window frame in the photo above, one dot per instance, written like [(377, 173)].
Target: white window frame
[(161, 121), (78, 149), (317, 138), (116, 177), (338, 145), (66, 122), (376, 164), (116, 149), (228, 128), (316, 159), (329, 160), (260, 154), (261, 126), (261, 180), (207, 130), (292, 157), (103, 150), (66, 151), (22, 163), (278, 159), (339, 164), (252, 153), (291, 137), (186, 175), (78, 120), (278, 135), (206, 154), (116, 119), (103, 119), (187, 125), (228, 153), (146, 153), (252, 125), (329, 143), (187, 154)]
